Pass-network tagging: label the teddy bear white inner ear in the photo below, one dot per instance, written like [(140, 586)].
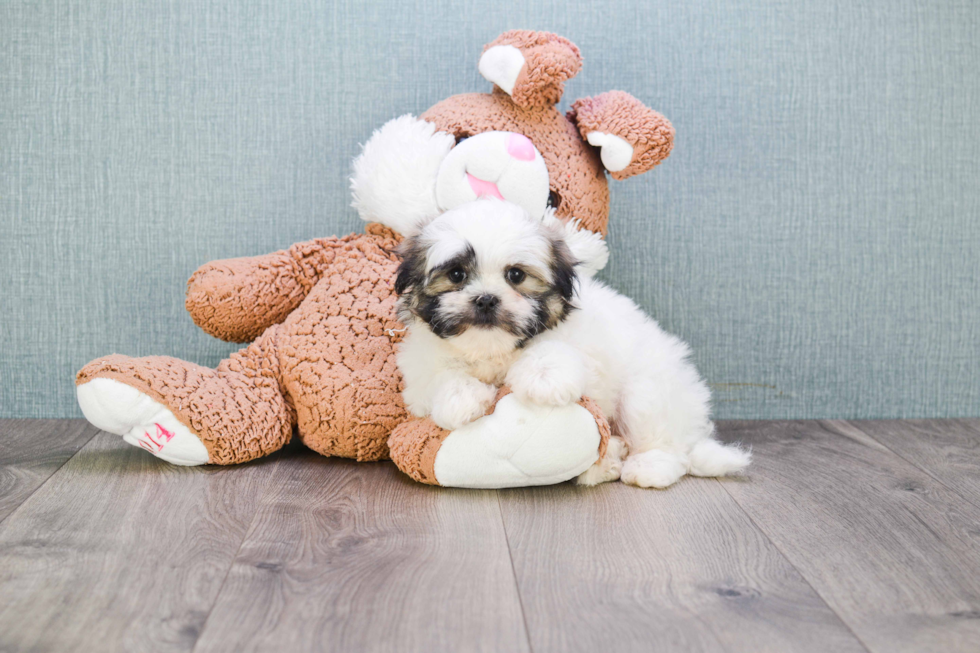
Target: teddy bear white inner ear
[(501, 65), (615, 153)]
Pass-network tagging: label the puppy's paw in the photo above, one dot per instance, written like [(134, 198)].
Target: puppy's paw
[(460, 401), (657, 469), (608, 468), (549, 374)]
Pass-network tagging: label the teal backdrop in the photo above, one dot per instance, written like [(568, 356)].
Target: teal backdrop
[(815, 235)]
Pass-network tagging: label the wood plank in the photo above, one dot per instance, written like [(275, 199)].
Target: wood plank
[(946, 449), (893, 551), (618, 568), (349, 556), (121, 551), (31, 450)]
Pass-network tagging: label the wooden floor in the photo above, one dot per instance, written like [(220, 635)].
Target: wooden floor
[(846, 536)]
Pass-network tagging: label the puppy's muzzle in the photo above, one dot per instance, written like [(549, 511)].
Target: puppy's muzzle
[(485, 309)]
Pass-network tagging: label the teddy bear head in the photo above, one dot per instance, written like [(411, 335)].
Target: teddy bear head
[(513, 144)]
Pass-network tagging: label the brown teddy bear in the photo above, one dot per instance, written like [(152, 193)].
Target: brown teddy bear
[(321, 319)]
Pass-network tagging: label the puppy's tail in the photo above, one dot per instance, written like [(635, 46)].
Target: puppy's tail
[(712, 458)]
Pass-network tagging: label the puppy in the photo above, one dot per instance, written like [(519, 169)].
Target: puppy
[(491, 297)]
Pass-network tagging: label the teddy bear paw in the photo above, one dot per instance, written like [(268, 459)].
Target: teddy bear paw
[(142, 422), (616, 154)]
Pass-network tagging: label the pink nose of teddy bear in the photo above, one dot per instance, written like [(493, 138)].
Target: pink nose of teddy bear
[(520, 147)]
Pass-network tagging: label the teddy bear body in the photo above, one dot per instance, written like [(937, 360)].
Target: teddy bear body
[(336, 352), (321, 316)]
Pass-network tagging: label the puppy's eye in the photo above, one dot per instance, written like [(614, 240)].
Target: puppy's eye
[(515, 275), (456, 275)]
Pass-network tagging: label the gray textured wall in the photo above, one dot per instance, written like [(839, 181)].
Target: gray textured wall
[(814, 235)]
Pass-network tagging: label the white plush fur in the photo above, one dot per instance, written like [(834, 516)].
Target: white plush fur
[(394, 177), (141, 421), (615, 152), (394, 182), (486, 158), (607, 349), (519, 445), (501, 65)]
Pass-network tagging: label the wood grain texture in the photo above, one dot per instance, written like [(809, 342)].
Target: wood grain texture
[(946, 449), (623, 569), (834, 542), (348, 556), (31, 451), (894, 552), (120, 551)]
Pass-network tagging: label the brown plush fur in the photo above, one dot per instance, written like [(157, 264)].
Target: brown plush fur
[(322, 313), (549, 61), (616, 112), (328, 368)]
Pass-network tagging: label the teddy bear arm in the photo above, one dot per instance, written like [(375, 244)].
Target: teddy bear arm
[(237, 299), (632, 138)]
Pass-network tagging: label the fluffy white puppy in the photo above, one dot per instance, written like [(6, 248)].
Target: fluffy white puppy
[(491, 296)]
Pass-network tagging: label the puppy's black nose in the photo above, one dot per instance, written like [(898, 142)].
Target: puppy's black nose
[(486, 303)]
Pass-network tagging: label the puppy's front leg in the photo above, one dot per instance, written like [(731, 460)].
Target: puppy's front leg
[(549, 373), (459, 399)]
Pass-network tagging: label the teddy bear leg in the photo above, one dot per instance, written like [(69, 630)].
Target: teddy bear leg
[(516, 444), (187, 414)]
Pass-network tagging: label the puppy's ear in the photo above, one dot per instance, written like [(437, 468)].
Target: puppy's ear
[(563, 269), (411, 272)]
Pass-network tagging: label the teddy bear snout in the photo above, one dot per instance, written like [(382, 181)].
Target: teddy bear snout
[(500, 164)]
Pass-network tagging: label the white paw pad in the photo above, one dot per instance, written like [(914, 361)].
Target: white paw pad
[(615, 152), (657, 469), (141, 421)]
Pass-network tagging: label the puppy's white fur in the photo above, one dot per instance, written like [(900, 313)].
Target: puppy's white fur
[(607, 349)]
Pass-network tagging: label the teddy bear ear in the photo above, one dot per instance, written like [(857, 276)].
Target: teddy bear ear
[(531, 67), (631, 137)]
